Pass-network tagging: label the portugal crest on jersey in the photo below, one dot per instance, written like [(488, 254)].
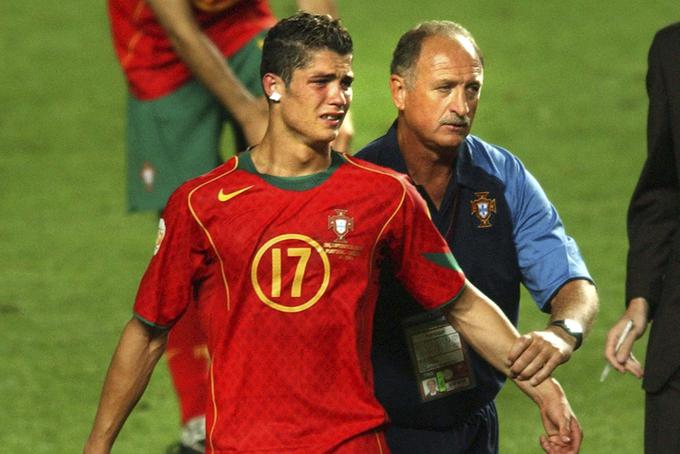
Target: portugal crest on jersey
[(482, 207), (340, 224)]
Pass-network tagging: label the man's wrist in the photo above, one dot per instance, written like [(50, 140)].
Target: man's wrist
[(570, 330), (638, 305)]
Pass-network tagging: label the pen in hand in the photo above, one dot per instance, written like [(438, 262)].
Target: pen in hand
[(619, 342)]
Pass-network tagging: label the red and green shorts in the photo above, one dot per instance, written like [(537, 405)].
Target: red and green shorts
[(177, 137)]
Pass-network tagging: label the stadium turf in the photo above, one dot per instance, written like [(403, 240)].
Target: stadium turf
[(564, 90)]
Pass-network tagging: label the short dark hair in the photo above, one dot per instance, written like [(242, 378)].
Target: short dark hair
[(408, 48), (290, 43)]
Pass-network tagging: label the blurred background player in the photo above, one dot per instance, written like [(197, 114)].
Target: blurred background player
[(653, 269), (504, 232), (192, 66)]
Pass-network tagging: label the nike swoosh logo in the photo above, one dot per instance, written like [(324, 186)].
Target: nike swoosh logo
[(222, 197)]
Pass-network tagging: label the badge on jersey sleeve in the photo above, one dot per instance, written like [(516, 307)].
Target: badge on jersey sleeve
[(439, 357)]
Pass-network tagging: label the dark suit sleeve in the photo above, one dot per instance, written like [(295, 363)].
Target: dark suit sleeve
[(654, 210)]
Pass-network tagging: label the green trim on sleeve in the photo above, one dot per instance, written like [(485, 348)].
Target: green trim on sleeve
[(455, 297), (147, 322), (443, 259)]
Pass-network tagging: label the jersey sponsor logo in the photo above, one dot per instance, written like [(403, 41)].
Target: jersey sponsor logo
[(159, 236), (482, 208), (222, 197), (290, 272)]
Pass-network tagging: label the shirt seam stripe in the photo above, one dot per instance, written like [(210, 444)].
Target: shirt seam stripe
[(226, 288), (135, 38), (401, 202)]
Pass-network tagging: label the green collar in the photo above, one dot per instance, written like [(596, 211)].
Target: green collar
[(302, 183)]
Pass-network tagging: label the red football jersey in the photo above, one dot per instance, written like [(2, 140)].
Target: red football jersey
[(285, 273), (150, 64)]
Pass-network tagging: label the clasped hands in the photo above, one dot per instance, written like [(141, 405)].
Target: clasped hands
[(531, 361)]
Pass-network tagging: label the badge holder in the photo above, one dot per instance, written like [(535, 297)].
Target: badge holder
[(439, 356)]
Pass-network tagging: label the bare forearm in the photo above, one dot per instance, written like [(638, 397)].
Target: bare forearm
[(207, 64), (492, 335), (538, 353), (203, 58), (541, 392), (484, 326), (576, 300), (563, 431), (137, 353)]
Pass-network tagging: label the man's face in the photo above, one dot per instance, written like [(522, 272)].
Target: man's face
[(431, 386), (439, 100), (318, 97)]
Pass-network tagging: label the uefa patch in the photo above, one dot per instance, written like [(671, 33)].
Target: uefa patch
[(482, 207), (159, 236)]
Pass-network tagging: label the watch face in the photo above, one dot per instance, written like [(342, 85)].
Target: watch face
[(573, 326)]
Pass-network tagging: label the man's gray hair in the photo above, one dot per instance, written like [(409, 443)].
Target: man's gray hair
[(408, 48)]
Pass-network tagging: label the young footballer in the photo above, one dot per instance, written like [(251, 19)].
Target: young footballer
[(280, 248)]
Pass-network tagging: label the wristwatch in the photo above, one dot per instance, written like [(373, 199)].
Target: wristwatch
[(571, 327)]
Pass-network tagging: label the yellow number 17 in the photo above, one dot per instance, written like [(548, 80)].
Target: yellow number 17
[(303, 253)]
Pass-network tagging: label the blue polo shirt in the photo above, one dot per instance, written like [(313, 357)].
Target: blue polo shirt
[(515, 238)]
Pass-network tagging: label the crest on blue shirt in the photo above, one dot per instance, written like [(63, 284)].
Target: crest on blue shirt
[(482, 207)]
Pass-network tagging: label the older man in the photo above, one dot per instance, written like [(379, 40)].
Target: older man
[(504, 232)]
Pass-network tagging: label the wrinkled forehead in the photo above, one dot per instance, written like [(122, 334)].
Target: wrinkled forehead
[(448, 55)]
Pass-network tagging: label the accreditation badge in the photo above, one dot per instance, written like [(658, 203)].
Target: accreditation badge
[(439, 355)]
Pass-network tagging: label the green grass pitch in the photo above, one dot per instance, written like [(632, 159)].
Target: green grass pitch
[(564, 90)]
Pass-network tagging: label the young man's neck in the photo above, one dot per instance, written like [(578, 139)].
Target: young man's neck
[(287, 157)]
